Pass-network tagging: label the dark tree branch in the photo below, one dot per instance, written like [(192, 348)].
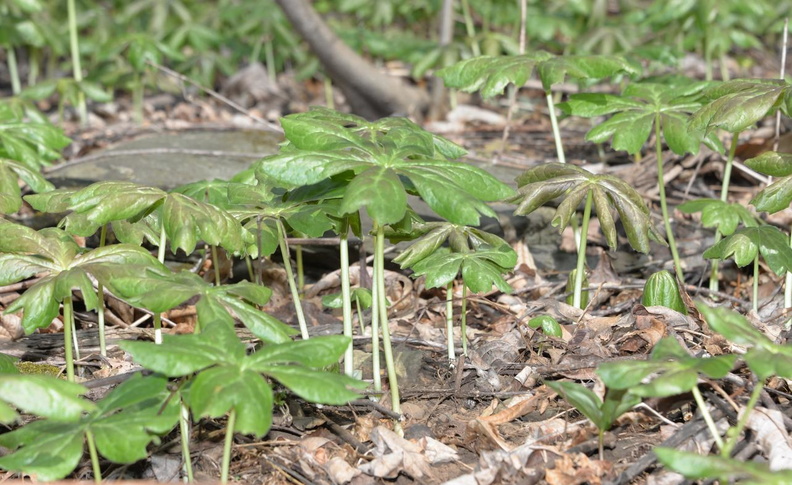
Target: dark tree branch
[(370, 92)]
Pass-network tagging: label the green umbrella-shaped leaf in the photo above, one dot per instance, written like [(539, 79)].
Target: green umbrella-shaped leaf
[(745, 244), (722, 215)]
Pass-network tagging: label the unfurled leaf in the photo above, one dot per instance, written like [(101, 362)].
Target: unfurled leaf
[(583, 399), (739, 103), (695, 466), (481, 269), (45, 396), (139, 410), (639, 107), (490, 75), (746, 244), (778, 195), (721, 215), (669, 371), (10, 194), (544, 183)]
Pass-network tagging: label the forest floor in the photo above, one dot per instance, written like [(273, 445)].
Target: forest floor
[(485, 418)]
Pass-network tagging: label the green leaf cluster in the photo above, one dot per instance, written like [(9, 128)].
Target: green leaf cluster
[(227, 378)]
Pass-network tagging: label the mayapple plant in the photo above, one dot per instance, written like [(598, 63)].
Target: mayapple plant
[(544, 183), (490, 76), (381, 162), (640, 108), (479, 256)]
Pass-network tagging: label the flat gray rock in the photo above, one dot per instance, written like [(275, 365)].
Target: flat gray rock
[(170, 160)]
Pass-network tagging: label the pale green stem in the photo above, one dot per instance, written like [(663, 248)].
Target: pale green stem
[(734, 433), (269, 56), (707, 417), (375, 326), (162, 242), (100, 310), (82, 110), (13, 71), (727, 170), (554, 124), (35, 66), (450, 320), (229, 440), (89, 437), (470, 29), (464, 319), (379, 280), (249, 265), (577, 297), (663, 204), (68, 326), (216, 266), (755, 295), (298, 257), (184, 430), (788, 292), (328, 92), (284, 248), (346, 301)]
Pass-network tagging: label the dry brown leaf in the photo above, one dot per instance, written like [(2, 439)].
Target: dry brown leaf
[(574, 469), (11, 326)]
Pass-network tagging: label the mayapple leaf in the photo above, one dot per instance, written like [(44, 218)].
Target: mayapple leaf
[(139, 410), (380, 192), (105, 202), (739, 103), (317, 352), (181, 355), (188, 221), (556, 69), (214, 192), (636, 111), (10, 193), (775, 164), (778, 195), (547, 323), (57, 200), (544, 183), (315, 386), (480, 269), (160, 291), (583, 399), (490, 75), (218, 390), (319, 135), (32, 144), (747, 243), (45, 396), (669, 371), (7, 364), (765, 358), (293, 169), (720, 214), (694, 466)]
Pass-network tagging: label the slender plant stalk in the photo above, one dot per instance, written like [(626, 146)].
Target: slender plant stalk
[(450, 320), (601, 443), (727, 170), (346, 299), (470, 29), (82, 110), (298, 257), (755, 294), (284, 248), (34, 62), (707, 417), (184, 431), (68, 326), (269, 56), (100, 311), (375, 325), (379, 280), (554, 123), (580, 271), (161, 257), (663, 204), (735, 432), (216, 266), (97, 472), (249, 266), (464, 319), (13, 71), (229, 440)]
